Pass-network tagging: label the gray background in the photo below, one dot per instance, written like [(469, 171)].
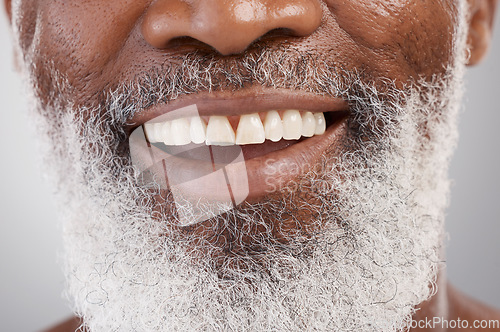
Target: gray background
[(31, 282)]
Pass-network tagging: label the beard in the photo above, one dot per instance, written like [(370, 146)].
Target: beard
[(375, 204)]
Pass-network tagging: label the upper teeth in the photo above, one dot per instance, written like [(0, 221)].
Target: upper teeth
[(290, 126)]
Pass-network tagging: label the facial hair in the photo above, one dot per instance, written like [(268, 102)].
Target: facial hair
[(378, 200)]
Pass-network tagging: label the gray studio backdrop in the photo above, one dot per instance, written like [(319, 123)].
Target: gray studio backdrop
[(31, 282)]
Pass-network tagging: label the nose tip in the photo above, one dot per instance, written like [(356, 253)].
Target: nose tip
[(228, 26)]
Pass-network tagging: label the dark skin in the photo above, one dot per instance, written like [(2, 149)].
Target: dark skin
[(98, 44)]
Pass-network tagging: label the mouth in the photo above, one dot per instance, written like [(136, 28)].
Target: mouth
[(257, 134), (281, 135)]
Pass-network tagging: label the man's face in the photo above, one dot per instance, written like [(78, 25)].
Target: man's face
[(165, 49), (340, 230)]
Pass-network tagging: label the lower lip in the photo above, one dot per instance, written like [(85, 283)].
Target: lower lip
[(268, 167), (256, 172), (276, 170)]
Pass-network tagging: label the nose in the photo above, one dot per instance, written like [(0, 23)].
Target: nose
[(228, 26)]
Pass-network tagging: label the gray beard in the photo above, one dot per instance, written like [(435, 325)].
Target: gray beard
[(379, 199)]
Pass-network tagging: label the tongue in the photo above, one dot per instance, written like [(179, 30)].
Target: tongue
[(250, 151)]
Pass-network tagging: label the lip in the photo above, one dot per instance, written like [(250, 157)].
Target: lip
[(245, 101), (275, 170)]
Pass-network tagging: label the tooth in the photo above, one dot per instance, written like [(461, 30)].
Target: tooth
[(180, 131), (166, 133), (219, 131), (149, 131), (250, 130), (308, 124), (320, 124), (198, 130), (292, 124), (273, 126), (157, 130)]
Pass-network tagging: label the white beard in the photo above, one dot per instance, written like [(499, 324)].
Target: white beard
[(376, 258)]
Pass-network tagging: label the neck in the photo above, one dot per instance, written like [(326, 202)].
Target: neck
[(437, 307), (451, 310)]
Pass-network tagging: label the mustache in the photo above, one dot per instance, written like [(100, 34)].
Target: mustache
[(281, 67)]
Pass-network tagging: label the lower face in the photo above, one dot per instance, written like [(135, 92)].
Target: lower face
[(341, 226)]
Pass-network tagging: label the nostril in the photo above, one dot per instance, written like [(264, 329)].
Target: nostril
[(279, 32), (275, 35), (187, 41)]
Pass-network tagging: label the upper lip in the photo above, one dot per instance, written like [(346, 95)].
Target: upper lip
[(242, 102)]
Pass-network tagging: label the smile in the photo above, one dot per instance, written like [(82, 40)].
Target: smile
[(283, 140)]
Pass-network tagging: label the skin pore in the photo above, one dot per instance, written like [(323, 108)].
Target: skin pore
[(97, 46)]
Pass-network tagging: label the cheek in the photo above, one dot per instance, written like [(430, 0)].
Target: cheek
[(412, 37), (79, 39), (25, 17)]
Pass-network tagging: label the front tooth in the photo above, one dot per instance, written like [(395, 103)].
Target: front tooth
[(198, 130), (273, 126), (292, 124), (250, 130), (320, 124), (166, 133), (219, 131), (308, 124), (180, 131), (149, 131), (158, 132)]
